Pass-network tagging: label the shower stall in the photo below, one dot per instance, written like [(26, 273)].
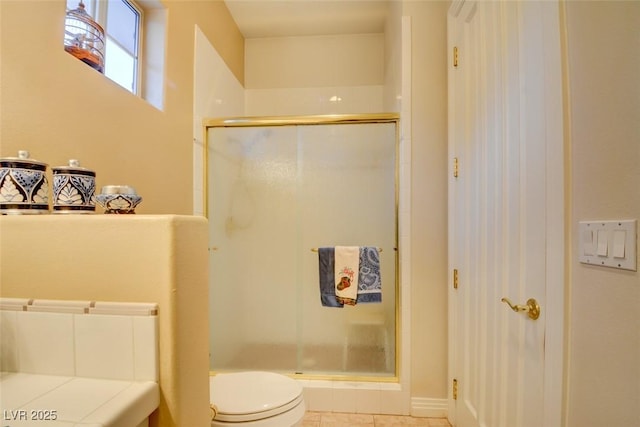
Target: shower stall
[(277, 189)]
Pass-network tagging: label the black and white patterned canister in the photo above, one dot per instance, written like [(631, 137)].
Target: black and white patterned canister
[(24, 188), (74, 189)]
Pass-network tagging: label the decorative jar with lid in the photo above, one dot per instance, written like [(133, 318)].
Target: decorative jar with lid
[(73, 189), (24, 188)]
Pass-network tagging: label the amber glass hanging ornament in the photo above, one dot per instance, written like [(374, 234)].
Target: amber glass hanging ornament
[(84, 37)]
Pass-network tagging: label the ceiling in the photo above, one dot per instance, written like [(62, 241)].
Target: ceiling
[(282, 18)]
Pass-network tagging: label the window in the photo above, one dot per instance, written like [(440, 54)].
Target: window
[(122, 22)]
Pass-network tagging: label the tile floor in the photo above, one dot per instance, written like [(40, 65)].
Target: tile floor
[(334, 419)]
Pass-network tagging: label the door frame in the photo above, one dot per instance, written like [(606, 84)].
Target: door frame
[(557, 213)]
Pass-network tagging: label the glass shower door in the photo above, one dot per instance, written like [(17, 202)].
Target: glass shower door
[(276, 193), (347, 198), (252, 216)]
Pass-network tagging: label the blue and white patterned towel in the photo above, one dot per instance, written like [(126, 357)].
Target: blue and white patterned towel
[(369, 280)]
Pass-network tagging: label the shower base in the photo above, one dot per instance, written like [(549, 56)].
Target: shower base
[(360, 360)]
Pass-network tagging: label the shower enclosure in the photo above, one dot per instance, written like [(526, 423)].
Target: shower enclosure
[(277, 189)]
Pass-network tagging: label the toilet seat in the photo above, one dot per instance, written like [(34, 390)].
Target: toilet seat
[(251, 396)]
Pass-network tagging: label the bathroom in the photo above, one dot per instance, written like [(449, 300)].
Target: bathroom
[(167, 138), (371, 76), (365, 80), (59, 110)]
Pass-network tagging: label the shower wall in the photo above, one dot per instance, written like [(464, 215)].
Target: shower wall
[(336, 74), (274, 194)]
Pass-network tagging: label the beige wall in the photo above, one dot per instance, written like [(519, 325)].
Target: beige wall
[(428, 198), (301, 75), (604, 100), (58, 108), (340, 60)]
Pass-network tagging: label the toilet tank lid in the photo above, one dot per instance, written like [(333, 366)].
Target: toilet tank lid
[(243, 393)]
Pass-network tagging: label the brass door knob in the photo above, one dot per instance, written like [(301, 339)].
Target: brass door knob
[(532, 308)]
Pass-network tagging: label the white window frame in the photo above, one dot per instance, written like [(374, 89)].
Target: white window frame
[(99, 14)]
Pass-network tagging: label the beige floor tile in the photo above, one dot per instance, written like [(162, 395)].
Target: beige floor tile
[(335, 419), (399, 421), (312, 416), (345, 424), (311, 419)]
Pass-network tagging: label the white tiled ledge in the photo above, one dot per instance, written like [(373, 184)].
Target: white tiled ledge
[(77, 363), (79, 307), (107, 340), (47, 400)]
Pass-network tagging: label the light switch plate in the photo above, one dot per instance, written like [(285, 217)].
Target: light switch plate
[(611, 243)]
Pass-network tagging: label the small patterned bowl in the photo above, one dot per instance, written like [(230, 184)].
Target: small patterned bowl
[(118, 199)]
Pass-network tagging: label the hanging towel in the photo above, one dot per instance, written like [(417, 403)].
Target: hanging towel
[(326, 267), (369, 280), (347, 263)]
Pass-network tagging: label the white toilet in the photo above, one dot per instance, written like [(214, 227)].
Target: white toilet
[(255, 399)]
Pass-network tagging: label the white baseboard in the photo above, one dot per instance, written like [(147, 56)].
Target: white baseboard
[(432, 408)]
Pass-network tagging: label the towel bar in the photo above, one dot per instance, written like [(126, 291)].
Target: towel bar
[(316, 249)]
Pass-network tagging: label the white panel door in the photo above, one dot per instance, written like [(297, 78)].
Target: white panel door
[(506, 212)]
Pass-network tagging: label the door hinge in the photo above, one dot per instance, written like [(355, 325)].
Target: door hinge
[(455, 56), (455, 167), (455, 278), (454, 389)]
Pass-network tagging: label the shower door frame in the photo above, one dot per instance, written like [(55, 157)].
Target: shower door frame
[(326, 119)]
